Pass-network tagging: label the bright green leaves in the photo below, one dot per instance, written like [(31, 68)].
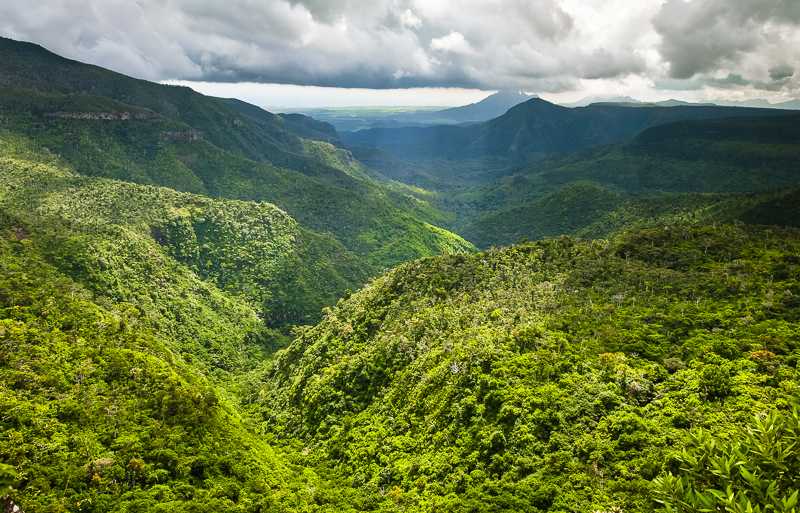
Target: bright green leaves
[(566, 368), (751, 470)]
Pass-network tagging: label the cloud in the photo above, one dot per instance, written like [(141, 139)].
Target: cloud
[(731, 43), (781, 72), (410, 20), (536, 45), (453, 42), (351, 43)]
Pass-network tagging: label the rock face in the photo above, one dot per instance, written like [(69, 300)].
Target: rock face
[(102, 116), (10, 507), (182, 135)]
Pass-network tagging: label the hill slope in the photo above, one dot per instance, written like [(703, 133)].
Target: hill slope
[(124, 238), (157, 246), (536, 128), (128, 315), (106, 124), (492, 106), (588, 209), (702, 169), (555, 376), (101, 414), (725, 155)]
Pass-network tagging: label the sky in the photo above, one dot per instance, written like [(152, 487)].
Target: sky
[(313, 53)]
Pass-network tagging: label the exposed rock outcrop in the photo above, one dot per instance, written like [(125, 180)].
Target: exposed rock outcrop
[(190, 135), (10, 506), (103, 116)]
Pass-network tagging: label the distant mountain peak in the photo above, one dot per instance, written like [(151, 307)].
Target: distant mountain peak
[(508, 97), (492, 106), (538, 104), (583, 102)]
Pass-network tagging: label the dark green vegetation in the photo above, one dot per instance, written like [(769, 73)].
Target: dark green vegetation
[(701, 170), (709, 170), (101, 414), (131, 312), (536, 128), (126, 239), (542, 170), (556, 376), (163, 254), (129, 317), (103, 410), (105, 124), (589, 210)]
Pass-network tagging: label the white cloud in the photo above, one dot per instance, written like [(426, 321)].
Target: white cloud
[(536, 45), (453, 42), (410, 20), (731, 43)]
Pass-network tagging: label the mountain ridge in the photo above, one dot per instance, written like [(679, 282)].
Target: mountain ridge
[(208, 307), (172, 136), (490, 107), (534, 129)]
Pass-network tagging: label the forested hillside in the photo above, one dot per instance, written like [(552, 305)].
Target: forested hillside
[(127, 313), (102, 413), (124, 239), (208, 307), (536, 129), (701, 170), (106, 124), (554, 376)]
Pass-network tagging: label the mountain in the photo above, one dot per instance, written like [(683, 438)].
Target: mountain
[(105, 124), (348, 120), (790, 104), (678, 103), (535, 129), (715, 155), (126, 313), (100, 414), (146, 245), (588, 100), (490, 107), (633, 102), (554, 376), (137, 372), (702, 169), (208, 307), (591, 210), (685, 169), (664, 103)]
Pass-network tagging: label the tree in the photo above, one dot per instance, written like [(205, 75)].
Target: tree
[(756, 470)]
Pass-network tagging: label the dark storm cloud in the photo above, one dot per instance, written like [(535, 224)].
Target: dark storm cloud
[(747, 39), (380, 43), (781, 72), (541, 45)]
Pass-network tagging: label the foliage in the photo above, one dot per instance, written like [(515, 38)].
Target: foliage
[(121, 239), (536, 129), (755, 469), (591, 210), (177, 138), (100, 414), (553, 376), (157, 247)]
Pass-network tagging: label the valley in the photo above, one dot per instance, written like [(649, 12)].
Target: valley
[(507, 306)]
